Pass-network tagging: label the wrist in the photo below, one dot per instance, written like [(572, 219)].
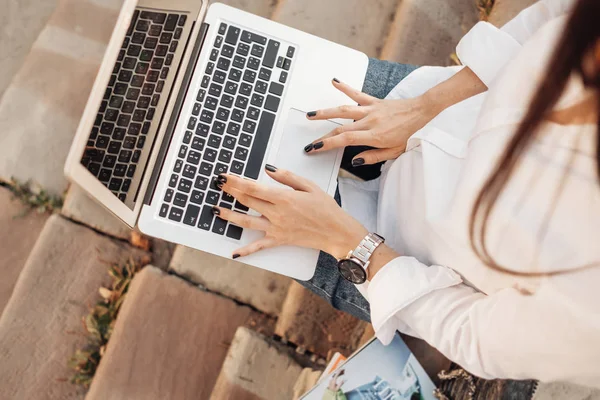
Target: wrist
[(346, 240), (431, 103)]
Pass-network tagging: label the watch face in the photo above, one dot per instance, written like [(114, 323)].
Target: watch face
[(351, 271)]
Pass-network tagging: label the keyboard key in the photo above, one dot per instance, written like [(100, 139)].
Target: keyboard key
[(196, 109), (189, 171), (192, 123), (261, 87), (197, 197), (210, 155), (259, 147), (290, 52), (219, 76), (237, 115), (222, 28), (94, 168), (119, 134), (229, 142), (182, 20), (279, 62), (223, 63), (221, 169), (241, 153), (206, 169), (249, 76), (104, 175), (185, 185), (240, 206), (191, 215), (276, 88), (155, 30), (235, 74), (163, 210), (115, 184), (214, 141), (214, 54), (146, 55), (232, 35), (225, 156), (245, 89), (219, 226), (249, 126), (257, 50), (212, 197), (166, 38), (201, 182), (136, 156), (126, 185), (237, 167), (245, 140), (183, 151), (206, 218), (253, 113), (171, 22), (264, 74), (253, 63), (227, 51), (227, 100), (218, 127), (125, 156), (241, 102), (239, 62), (176, 214), (102, 142), (109, 161), (198, 143), (205, 81), (131, 171), (257, 100), (218, 41), (173, 46), (201, 94), (243, 49), (180, 199), (283, 77), (222, 114), (202, 130), (271, 53), (134, 50), (229, 198), (169, 195), (234, 232), (231, 87), (287, 63), (120, 170), (211, 103), (272, 103), (206, 116), (114, 147), (233, 128), (178, 165), (193, 157)]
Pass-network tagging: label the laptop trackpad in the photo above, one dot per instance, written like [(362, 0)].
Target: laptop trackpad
[(297, 133)]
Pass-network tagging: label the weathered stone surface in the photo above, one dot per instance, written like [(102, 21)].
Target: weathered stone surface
[(263, 290), (255, 369), (19, 229), (21, 22), (169, 341), (41, 108), (264, 8), (426, 32), (79, 207), (505, 10), (38, 329), (311, 323), (354, 23)]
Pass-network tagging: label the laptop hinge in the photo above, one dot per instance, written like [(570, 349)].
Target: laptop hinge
[(181, 96)]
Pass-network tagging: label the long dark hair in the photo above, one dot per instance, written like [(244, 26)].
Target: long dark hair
[(580, 37)]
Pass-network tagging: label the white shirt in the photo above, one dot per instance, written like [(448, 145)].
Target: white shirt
[(493, 324)]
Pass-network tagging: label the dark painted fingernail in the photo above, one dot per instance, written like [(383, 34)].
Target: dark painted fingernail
[(270, 168), (358, 162), (221, 179), (216, 211), (336, 80), (318, 145), (311, 113), (308, 147), (235, 256)]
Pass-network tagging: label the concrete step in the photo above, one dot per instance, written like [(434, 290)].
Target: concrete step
[(426, 32), (264, 8), (255, 369), (59, 281), (21, 21), (169, 341), (20, 228), (79, 207), (41, 108), (354, 23), (261, 289), (309, 322)]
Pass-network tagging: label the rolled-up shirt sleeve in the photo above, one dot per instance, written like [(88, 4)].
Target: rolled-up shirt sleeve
[(507, 334), (486, 49)]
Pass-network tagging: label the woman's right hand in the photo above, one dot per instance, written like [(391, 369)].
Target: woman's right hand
[(383, 124)]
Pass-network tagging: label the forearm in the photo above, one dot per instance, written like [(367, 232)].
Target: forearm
[(461, 86)]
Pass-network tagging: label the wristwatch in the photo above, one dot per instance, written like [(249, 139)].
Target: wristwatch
[(353, 268)]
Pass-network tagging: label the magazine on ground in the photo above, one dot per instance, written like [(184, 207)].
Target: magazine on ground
[(376, 372)]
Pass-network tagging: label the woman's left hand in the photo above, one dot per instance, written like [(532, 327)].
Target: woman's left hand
[(305, 216)]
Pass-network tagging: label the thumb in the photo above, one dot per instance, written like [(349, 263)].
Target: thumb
[(377, 155)]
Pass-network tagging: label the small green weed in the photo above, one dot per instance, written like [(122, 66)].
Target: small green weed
[(34, 197)]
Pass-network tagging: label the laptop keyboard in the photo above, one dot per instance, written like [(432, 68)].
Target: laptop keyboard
[(229, 127), (145, 60)]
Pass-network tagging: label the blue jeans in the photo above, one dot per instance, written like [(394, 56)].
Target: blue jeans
[(381, 78)]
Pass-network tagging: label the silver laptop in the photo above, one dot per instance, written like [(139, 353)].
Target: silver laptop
[(186, 92)]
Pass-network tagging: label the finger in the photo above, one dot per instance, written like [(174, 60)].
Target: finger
[(258, 205), (248, 187), (290, 179), (243, 220), (351, 138), (361, 98), (355, 126), (345, 111), (253, 247), (378, 155)]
